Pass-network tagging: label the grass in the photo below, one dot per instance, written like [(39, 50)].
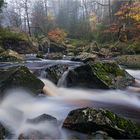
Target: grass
[(6, 33)]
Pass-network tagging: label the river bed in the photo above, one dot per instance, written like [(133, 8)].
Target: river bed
[(62, 100)]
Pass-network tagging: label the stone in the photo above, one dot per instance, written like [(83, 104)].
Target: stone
[(20, 77), (44, 127), (10, 55), (99, 75), (89, 120), (85, 57), (130, 61)]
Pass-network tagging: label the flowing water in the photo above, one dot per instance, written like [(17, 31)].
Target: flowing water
[(19, 105)]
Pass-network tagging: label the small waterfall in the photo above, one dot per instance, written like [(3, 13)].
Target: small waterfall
[(62, 81)]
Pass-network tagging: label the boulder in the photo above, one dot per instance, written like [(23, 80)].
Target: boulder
[(85, 57), (46, 45), (42, 127), (99, 75), (130, 61), (19, 45), (4, 132), (54, 56), (90, 120), (55, 72), (10, 55), (40, 55), (20, 77)]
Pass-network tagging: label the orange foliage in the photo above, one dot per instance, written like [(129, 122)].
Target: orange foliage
[(57, 35)]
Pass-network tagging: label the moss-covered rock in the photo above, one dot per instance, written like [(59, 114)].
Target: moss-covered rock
[(89, 120), (100, 75), (19, 77), (130, 61), (54, 56), (85, 57), (10, 56), (17, 41)]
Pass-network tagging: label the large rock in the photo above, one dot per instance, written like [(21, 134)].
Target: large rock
[(89, 120), (10, 55), (85, 57), (21, 46), (54, 56), (45, 46), (54, 73), (42, 127), (99, 75), (130, 61), (20, 76)]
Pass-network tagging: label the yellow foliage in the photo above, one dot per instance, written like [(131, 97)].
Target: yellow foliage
[(93, 21), (130, 10)]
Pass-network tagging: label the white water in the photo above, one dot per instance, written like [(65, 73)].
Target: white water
[(18, 105)]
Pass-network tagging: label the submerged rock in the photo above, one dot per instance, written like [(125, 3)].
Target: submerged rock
[(43, 118), (42, 127), (54, 73), (99, 75), (10, 55), (4, 132), (90, 120), (20, 77)]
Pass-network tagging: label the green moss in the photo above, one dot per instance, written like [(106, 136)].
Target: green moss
[(8, 34), (20, 77), (107, 72), (78, 43), (122, 123)]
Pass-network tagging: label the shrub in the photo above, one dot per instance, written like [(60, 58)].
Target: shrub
[(57, 35)]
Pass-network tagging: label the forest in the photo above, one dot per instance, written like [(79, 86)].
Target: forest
[(69, 69)]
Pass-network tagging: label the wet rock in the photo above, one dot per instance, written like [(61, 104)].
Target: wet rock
[(54, 73), (4, 132), (85, 57), (99, 75), (39, 55), (54, 56), (42, 127), (10, 55), (20, 77), (90, 120), (130, 61)]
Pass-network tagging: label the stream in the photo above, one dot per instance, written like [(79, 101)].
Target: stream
[(15, 111)]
